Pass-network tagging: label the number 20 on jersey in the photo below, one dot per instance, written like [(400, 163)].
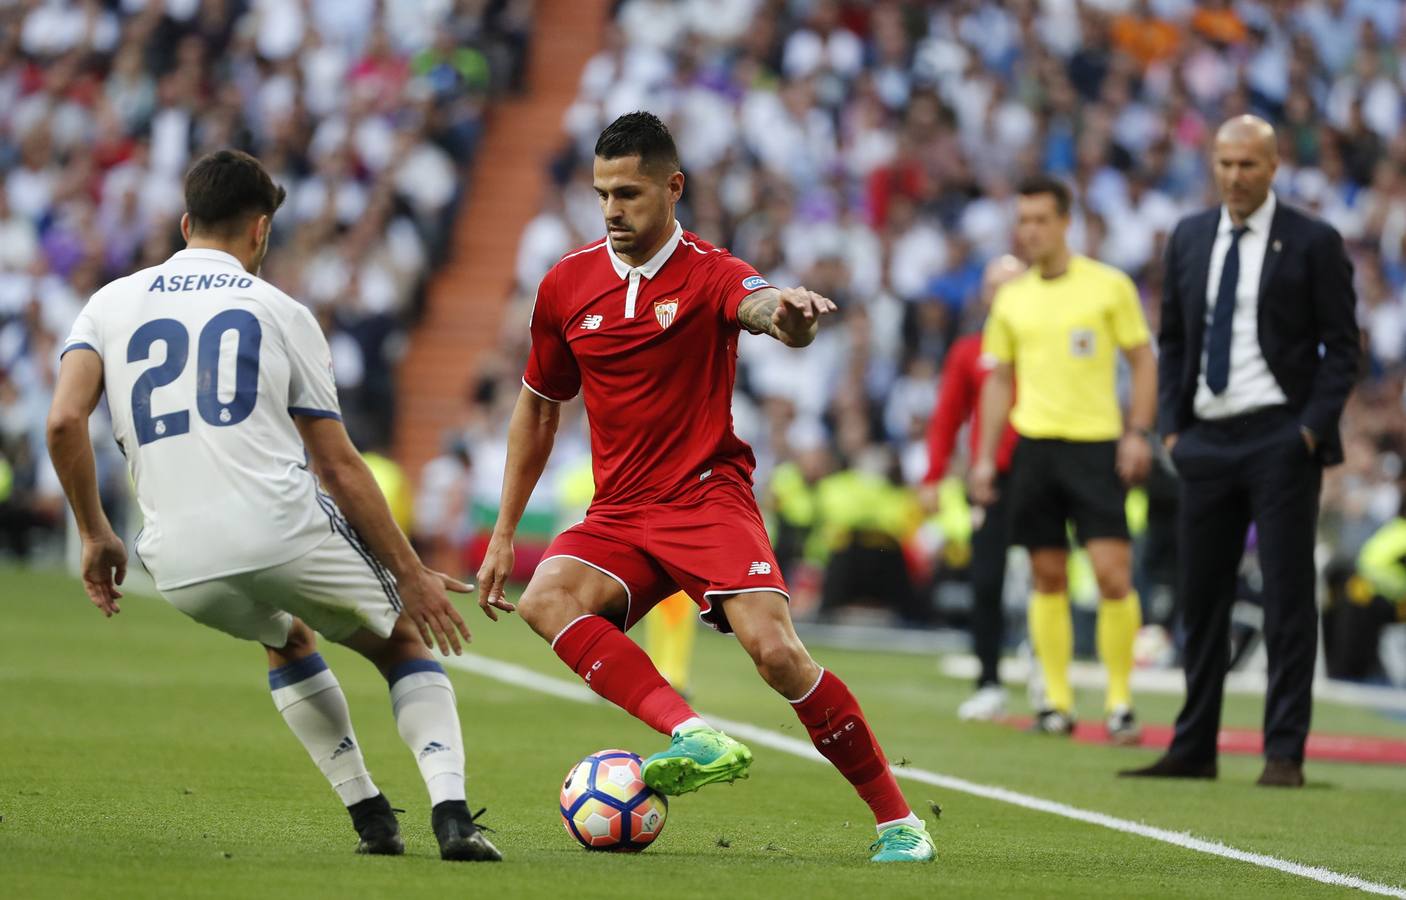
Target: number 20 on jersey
[(176, 338)]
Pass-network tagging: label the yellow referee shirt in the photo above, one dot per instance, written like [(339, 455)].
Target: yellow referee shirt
[(1062, 335)]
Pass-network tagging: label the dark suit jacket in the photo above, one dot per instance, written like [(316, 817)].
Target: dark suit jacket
[(1306, 303)]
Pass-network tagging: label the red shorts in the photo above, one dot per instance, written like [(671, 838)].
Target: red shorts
[(709, 546)]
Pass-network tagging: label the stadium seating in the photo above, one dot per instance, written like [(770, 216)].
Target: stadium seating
[(368, 113)]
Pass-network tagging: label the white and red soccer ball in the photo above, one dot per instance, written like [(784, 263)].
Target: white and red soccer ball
[(606, 805)]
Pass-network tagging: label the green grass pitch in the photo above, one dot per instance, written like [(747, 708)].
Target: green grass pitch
[(141, 757)]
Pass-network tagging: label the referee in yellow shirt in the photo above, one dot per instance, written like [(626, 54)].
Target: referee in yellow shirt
[(1053, 334)]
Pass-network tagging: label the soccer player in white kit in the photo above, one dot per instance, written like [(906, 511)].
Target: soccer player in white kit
[(261, 520)]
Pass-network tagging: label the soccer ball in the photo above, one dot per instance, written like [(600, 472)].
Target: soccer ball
[(606, 805)]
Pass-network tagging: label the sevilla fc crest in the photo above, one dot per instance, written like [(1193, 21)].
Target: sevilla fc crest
[(665, 311)]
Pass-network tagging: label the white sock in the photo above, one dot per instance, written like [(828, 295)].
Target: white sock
[(428, 721), (689, 724), (910, 819), (312, 703)]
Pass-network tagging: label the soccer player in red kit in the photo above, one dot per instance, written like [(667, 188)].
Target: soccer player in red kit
[(963, 374), (644, 324)]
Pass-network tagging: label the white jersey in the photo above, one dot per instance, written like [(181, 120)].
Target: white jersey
[(205, 366)]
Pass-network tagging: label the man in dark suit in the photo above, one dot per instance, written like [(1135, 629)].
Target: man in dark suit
[(1259, 349)]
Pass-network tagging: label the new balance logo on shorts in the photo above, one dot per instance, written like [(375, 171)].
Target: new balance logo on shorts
[(760, 568), (345, 746), (591, 323), (432, 747)]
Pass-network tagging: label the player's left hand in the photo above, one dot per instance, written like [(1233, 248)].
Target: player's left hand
[(493, 576), (424, 600), (1134, 458), (797, 316), (104, 567)]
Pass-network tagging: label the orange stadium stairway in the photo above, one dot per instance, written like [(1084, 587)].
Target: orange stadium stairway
[(467, 297)]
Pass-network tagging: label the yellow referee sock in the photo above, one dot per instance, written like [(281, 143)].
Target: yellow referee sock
[(1118, 624), (1052, 634), (668, 637)]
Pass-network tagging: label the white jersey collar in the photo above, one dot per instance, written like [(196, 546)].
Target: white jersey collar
[(207, 255), (655, 262)]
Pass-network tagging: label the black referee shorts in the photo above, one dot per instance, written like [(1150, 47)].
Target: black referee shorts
[(1053, 483)]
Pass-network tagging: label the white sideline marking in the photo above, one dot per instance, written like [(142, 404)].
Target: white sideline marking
[(516, 675)]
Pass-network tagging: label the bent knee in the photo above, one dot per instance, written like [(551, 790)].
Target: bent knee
[(783, 664), (548, 609), (302, 640)]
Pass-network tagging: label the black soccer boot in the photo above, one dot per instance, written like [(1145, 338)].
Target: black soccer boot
[(375, 822), (461, 839)]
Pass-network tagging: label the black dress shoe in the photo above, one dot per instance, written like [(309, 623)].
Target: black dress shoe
[(1171, 767), (1281, 773)]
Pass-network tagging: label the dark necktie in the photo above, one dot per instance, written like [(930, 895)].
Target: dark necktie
[(1223, 318)]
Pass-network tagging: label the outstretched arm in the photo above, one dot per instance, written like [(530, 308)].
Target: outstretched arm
[(531, 433), (76, 395), (792, 316)]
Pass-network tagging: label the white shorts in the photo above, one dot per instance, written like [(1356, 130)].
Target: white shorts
[(336, 588)]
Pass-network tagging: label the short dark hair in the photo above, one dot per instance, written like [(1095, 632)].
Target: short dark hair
[(639, 134), (1036, 185), (226, 187)]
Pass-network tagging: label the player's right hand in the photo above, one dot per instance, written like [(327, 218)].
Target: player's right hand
[(493, 577), (428, 606), (981, 483), (103, 556)]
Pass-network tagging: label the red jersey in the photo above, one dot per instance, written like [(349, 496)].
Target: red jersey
[(963, 374), (653, 351)]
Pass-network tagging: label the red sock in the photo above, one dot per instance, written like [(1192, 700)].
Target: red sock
[(837, 728), (616, 668)]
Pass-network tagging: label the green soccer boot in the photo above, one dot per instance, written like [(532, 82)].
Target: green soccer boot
[(904, 843), (696, 757)]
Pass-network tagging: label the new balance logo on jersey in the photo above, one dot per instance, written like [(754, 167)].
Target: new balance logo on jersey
[(591, 323), (346, 746), (760, 568), (431, 748)]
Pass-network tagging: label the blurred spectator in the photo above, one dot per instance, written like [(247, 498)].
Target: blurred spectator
[(1145, 37)]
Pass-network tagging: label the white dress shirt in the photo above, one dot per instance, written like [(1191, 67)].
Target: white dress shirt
[(1252, 386)]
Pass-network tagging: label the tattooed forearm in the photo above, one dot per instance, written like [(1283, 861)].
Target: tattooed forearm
[(756, 310)]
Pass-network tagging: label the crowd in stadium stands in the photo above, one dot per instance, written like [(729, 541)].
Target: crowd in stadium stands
[(367, 111), (868, 151)]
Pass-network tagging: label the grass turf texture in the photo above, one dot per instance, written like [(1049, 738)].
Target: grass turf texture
[(141, 757)]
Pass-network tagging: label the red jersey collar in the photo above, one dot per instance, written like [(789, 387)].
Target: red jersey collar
[(655, 262)]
